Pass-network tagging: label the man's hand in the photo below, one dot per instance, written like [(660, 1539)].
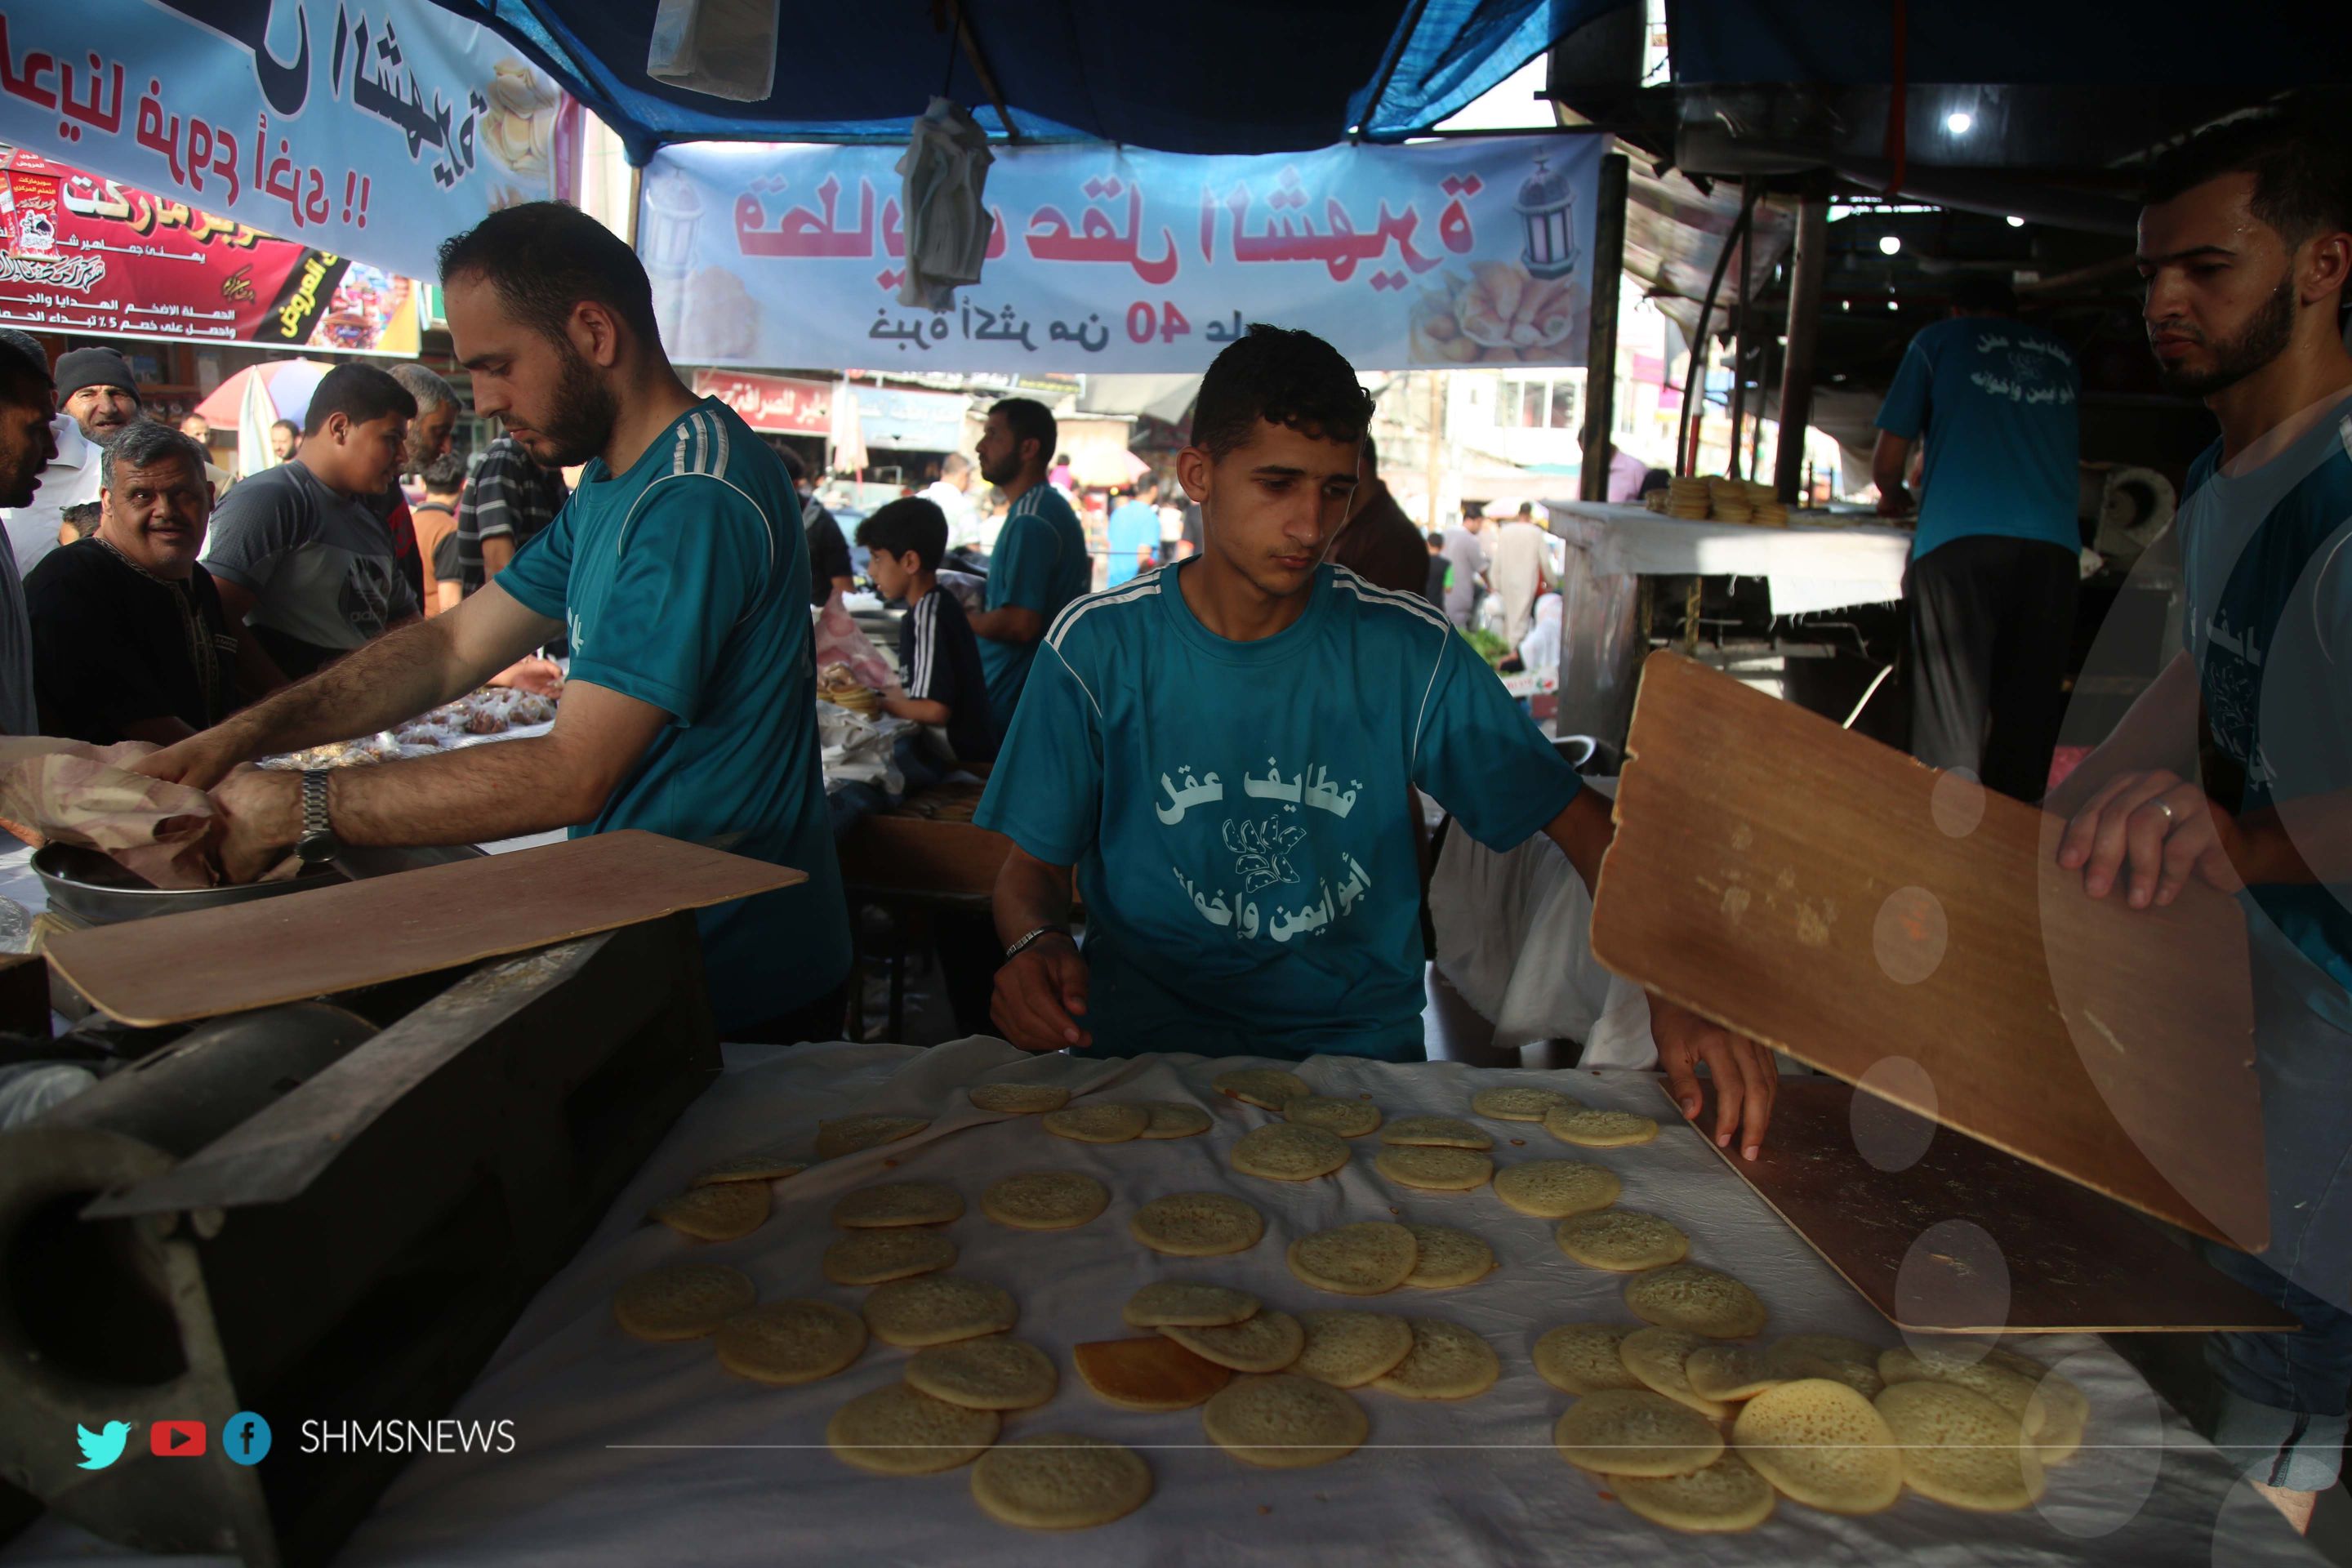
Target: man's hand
[(1746, 1079), (1040, 994), (260, 815), (199, 762), (541, 677), (2159, 832), (1895, 500)]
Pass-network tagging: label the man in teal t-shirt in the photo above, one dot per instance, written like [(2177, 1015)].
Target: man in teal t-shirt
[(2234, 766), (1134, 532), (1991, 589), (1040, 563), (1223, 750), (677, 572)]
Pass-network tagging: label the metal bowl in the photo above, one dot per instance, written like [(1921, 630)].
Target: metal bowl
[(95, 890)]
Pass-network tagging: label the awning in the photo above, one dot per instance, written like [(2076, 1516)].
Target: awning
[(1216, 76)]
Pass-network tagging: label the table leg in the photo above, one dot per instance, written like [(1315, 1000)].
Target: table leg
[(1690, 617)]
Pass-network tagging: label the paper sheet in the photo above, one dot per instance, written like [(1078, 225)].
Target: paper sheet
[(1473, 1482)]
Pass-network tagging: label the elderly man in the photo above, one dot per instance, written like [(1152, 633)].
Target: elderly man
[(96, 396), (951, 493), (430, 437), (129, 639)]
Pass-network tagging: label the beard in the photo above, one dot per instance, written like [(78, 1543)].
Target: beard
[(580, 426), (2262, 339), (1004, 473)]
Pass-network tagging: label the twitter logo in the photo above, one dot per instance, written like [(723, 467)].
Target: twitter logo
[(101, 1448)]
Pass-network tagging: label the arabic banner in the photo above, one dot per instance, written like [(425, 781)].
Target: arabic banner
[(83, 254), (1447, 253), (774, 403), (366, 128)]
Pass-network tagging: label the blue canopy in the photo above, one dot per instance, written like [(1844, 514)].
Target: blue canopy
[(2017, 42), (1199, 76)]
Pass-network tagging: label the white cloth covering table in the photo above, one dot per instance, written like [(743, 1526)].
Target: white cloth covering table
[(628, 1453)]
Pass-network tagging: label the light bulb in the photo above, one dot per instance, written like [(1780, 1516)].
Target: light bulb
[(2015, 221), (1959, 121), (1888, 244)]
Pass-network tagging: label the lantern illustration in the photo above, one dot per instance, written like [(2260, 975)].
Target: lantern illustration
[(1546, 206), (665, 244)]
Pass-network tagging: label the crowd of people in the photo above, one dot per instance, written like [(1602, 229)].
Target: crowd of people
[(1217, 756)]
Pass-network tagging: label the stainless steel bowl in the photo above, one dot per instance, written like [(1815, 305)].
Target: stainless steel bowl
[(94, 889)]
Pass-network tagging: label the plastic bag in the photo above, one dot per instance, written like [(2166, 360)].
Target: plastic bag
[(948, 222), (838, 641), (64, 791)]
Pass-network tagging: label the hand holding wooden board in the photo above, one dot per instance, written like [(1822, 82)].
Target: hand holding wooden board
[(1843, 903)]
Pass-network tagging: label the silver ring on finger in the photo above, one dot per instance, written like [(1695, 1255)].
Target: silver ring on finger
[(2170, 816)]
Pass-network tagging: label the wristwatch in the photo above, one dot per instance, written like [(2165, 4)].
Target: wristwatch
[(1022, 944), (318, 840)]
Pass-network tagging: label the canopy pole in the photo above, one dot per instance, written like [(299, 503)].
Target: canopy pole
[(1601, 347), (1695, 377), (1805, 269), (1743, 342), (987, 77)]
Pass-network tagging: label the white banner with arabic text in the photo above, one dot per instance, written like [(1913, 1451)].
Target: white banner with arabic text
[(1446, 253)]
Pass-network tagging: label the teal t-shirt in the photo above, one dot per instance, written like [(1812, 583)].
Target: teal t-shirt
[(1039, 563), (1132, 529), (1997, 400), (1239, 815), (2266, 567), (684, 583)]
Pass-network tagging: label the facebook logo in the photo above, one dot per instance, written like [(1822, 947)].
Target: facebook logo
[(245, 1438)]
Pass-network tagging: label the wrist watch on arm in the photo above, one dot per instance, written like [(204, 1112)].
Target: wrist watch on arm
[(317, 841), (1023, 943)]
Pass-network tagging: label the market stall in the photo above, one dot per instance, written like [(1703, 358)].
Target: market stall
[(1616, 553)]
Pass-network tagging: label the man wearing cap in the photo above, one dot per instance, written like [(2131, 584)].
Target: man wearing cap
[(97, 397)]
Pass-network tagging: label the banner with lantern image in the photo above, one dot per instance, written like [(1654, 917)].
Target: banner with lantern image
[(1465, 252)]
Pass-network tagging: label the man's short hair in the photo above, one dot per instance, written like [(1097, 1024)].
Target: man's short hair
[(1030, 420), (2303, 176), (81, 517), (1977, 293), (951, 465), (544, 259), (144, 443), (1436, 539), (286, 424), (445, 475), (1286, 377), (425, 385), (359, 393), (910, 523)]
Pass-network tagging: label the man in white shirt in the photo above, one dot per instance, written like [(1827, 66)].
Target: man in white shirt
[(951, 493), (97, 399), (1520, 570)]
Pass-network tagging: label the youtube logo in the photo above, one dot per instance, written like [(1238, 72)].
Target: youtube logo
[(177, 1439)]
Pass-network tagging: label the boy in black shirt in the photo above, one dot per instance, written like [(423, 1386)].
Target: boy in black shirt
[(938, 657)]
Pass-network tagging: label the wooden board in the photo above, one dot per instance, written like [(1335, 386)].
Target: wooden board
[(175, 968), (2068, 1260), (1839, 901)]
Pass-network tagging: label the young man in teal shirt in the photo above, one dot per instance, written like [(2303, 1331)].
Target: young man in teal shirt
[(678, 573), (1040, 563), (1223, 752)]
